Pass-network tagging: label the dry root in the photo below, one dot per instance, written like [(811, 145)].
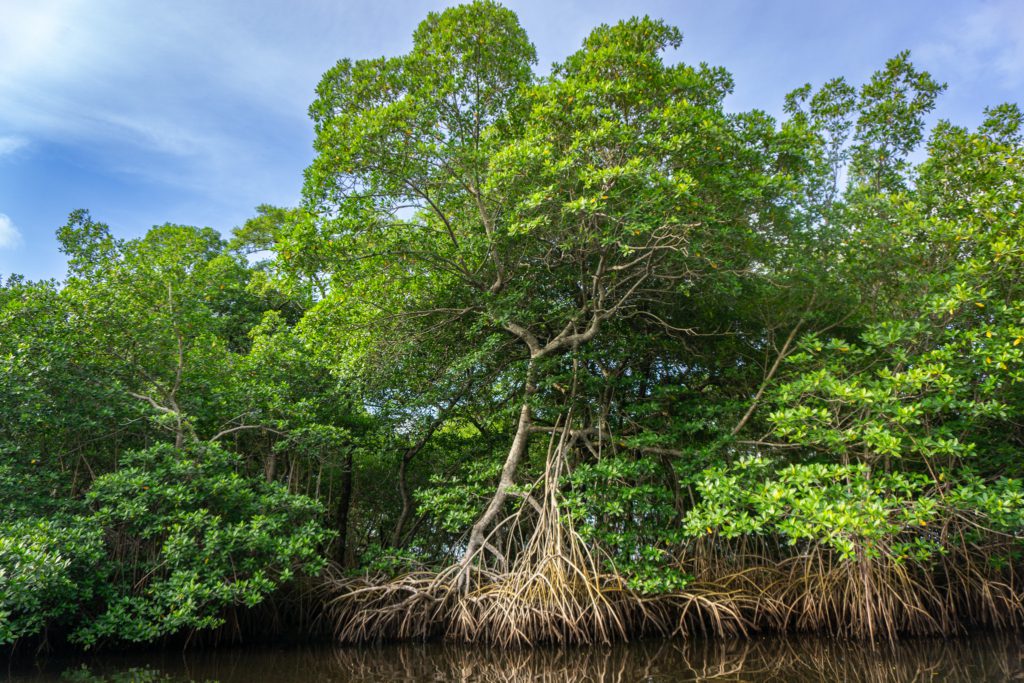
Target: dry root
[(556, 593), (555, 590), (546, 606)]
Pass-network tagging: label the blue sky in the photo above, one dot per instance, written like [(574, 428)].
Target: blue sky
[(194, 111)]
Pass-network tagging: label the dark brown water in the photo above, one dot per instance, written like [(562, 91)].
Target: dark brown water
[(973, 660)]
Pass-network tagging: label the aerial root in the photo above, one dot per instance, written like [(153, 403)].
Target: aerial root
[(549, 585), (555, 593), (548, 605)]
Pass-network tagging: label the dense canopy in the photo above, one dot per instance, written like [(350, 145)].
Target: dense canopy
[(561, 355)]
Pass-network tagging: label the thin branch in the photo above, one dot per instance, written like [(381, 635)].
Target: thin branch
[(225, 432)]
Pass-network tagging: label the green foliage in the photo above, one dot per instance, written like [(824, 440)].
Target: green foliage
[(454, 503), (50, 569), (890, 124), (855, 511), (723, 328), (623, 507), (380, 560), (933, 386), (998, 504), (170, 540), (193, 537)]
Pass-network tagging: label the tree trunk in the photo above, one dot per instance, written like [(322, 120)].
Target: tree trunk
[(344, 505), (403, 491), (412, 452), (520, 443), (270, 467)]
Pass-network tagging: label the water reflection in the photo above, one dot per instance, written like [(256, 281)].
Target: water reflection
[(768, 659)]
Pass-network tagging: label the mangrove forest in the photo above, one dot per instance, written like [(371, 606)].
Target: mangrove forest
[(559, 355)]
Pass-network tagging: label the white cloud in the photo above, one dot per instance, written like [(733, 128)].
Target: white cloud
[(9, 144), (188, 94), (987, 41), (996, 32), (10, 236)]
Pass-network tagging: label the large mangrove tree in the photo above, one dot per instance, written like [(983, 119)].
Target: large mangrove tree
[(544, 354)]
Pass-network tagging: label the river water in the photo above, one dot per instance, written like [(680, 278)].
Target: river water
[(972, 659)]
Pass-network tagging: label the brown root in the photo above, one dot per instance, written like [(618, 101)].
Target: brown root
[(546, 584), (555, 590)]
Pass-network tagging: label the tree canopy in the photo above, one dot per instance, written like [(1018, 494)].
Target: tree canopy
[(576, 343)]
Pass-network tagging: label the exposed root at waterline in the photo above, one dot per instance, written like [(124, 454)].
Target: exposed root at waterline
[(562, 598), (518, 610), (557, 589), (554, 591)]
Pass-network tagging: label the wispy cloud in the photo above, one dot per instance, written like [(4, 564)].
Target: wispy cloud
[(187, 85), (9, 144), (10, 236), (987, 41)]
